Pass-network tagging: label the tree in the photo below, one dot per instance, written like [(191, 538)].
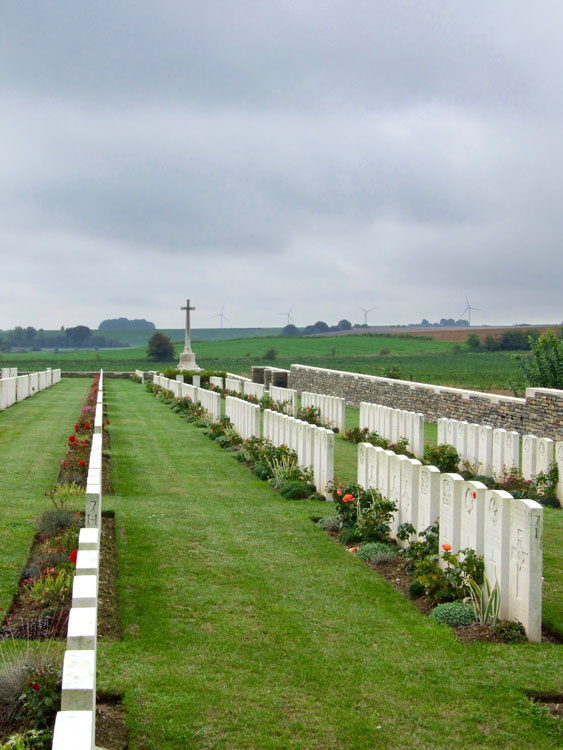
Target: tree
[(473, 341), (344, 325), (290, 330), (78, 335), (160, 348), (321, 326), (544, 367)]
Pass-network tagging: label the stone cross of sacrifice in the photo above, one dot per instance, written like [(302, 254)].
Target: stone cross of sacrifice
[(187, 339)]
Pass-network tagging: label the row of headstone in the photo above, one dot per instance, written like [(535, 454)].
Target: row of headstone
[(244, 416), (314, 445), (9, 372), (394, 424), (495, 451), (216, 381), (505, 530), (210, 400), (16, 387), (254, 389), (140, 374), (332, 408), (75, 723), (233, 384), (287, 396)]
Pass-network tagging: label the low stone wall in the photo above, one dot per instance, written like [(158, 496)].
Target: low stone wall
[(97, 372), (540, 413)]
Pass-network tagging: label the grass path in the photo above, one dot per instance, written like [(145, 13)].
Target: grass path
[(33, 436), (245, 626)]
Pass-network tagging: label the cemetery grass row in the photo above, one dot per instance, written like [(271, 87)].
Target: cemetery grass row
[(246, 626), (480, 370)]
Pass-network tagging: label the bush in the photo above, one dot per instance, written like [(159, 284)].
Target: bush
[(544, 367), (509, 631), (328, 523), (365, 511), (416, 590), (443, 457), (160, 348), (376, 552), (453, 614), (349, 535), (296, 490), (551, 501)]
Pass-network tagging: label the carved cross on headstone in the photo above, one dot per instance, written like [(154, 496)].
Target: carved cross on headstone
[(187, 339), (519, 556)]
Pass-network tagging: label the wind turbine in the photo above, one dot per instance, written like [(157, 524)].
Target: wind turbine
[(366, 312), (220, 315), (468, 310), (288, 313)]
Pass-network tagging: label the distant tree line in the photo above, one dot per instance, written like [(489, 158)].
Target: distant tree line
[(77, 337), (319, 327), (460, 323), (510, 340), (124, 324)]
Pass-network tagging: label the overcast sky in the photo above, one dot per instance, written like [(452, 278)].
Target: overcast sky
[(258, 155)]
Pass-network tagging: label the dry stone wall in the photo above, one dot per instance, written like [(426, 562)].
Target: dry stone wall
[(540, 413)]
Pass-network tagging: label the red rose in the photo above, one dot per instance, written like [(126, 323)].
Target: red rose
[(107, 421), (87, 425), (76, 428), (82, 463), (63, 463), (35, 686), (73, 556), (339, 492), (72, 439), (474, 495)]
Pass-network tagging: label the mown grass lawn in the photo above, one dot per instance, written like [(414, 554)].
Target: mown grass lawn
[(33, 437), (245, 626)]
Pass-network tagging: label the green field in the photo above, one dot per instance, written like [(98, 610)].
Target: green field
[(420, 359)]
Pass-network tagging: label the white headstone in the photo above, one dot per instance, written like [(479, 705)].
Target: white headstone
[(450, 511), (428, 497), (497, 542), (511, 452), (559, 460), (544, 455), (473, 516), (372, 467), (499, 435), (472, 444), (529, 450), (485, 451), (408, 503), (525, 577), (363, 449)]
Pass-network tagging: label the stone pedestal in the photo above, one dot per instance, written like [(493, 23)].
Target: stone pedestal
[(187, 361)]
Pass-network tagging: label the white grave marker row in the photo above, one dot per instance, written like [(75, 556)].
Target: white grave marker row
[(314, 445), (211, 402), (244, 416), (332, 408), (286, 396), (505, 530), (75, 724), (233, 384), (394, 424), (254, 389), (216, 381), (16, 387)]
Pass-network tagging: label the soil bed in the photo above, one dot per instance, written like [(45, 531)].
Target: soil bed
[(111, 728)]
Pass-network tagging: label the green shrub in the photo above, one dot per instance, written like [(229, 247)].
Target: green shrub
[(296, 490), (509, 631), (415, 590), (443, 457), (366, 511), (551, 501), (328, 523), (376, 552), (349, 535), (453, 614), (33, 739)]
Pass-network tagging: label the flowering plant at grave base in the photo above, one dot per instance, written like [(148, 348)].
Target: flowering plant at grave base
[(62, 493), (443, 457), (40, 698), (312, 415), (366, 513), (485, 600)]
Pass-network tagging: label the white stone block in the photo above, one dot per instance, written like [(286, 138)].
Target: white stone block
[(417, 441), (497, 542), (74, 730), (525, 576), (89, 539), (394, 425), (428, 497), (442, 423), (85, 591), (395, 475), (383, 472), (82, 627), (529, 450), (408, 503), (499, 435), (450, 511), (511, 452), (78, 691), (473, 516), (93, 516), (461, 439), (485, 450), (451, 432), (372, 466), (545, 454), (87, 562), (472, 443), (363, 449)]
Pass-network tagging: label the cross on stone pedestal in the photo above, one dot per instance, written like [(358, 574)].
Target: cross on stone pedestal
[(187, 338), (187, 357)]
